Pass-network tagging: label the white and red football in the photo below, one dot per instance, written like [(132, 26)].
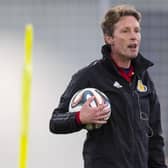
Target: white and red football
[(80, 97)]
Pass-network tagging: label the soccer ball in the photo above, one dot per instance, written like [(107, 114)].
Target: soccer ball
[(80, 97)]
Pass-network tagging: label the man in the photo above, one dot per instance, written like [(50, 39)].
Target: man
[(131, 138)]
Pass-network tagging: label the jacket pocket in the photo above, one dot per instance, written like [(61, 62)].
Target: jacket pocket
[(144, 113), (144, 102)]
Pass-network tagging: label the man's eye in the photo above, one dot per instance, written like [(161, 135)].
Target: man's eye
[(125, 31), (137, 31)]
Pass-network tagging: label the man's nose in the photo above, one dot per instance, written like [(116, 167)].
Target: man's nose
[(133, 35)]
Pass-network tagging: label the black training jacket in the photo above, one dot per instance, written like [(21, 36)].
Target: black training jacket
[(132, 137)]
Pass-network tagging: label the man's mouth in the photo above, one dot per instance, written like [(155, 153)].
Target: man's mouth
[(132, 46)]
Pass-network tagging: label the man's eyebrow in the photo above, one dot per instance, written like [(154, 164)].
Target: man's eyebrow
[(128, 27)]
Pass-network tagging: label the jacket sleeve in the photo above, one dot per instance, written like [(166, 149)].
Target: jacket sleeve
[(62, 121), (156, 142)]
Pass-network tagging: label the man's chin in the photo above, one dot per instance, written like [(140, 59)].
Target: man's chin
[(133, 56)]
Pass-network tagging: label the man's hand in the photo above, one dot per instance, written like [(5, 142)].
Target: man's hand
[(94, 115)]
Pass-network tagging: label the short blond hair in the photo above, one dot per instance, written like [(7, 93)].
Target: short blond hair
[(114, 14)]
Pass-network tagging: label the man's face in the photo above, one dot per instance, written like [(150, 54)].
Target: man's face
[(126, 38)]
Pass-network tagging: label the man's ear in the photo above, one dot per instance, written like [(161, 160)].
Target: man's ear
[(108, 39)]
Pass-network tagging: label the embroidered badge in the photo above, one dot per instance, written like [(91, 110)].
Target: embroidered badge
[(141, 87)]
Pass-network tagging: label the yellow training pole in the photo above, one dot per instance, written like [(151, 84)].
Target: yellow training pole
[(26, 91)]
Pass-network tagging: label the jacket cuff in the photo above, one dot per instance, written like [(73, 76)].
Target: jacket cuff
[(77, 117)]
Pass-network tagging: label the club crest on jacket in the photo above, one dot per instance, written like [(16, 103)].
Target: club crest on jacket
[(141, 87)]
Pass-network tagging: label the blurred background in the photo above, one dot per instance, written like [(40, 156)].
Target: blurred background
[(67, 36)]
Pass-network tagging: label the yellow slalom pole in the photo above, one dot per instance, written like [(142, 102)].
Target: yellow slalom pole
[(26, 93)]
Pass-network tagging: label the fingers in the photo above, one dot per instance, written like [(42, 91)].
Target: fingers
[(102, 115), (94, 114), (100, 107), (105, 110), (90, 99), (100, 122)]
